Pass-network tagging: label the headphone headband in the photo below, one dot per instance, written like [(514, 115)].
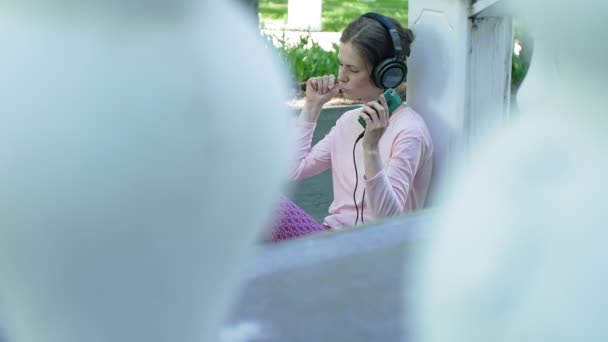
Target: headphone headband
[(392, 31)]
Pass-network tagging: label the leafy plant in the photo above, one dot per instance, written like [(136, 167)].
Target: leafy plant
[(306, 58), (521, 61)]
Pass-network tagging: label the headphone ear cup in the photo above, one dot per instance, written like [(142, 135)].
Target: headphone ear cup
[(390, 73)]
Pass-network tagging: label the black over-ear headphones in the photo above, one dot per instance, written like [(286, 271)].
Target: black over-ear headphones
[(389, 73)]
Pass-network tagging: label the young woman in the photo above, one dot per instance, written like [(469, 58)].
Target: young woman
[(379, 171)]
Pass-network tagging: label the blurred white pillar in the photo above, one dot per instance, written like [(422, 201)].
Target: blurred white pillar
[(460, 73), (125, 213), (304, 15), (437, 79)]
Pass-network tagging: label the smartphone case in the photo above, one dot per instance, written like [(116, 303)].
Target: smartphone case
[(393, 101)]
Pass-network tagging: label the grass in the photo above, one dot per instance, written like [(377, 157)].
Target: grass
[(273, 10), (336, 14)]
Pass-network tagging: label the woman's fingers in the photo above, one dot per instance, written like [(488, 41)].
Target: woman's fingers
[(328, 83), (385, 113), (378, 110), (324, 84), (313, 81), (370, 115), (366, 117), (335, 90)]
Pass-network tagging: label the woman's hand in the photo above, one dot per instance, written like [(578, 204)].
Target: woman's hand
[(321, 89), (376, 118)]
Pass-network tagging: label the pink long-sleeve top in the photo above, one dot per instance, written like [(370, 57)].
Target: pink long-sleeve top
[(400, 187)]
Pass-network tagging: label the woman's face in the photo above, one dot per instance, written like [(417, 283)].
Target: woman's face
[(354, 76)]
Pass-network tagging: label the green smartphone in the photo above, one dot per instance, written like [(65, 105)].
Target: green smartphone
[(392, 100)]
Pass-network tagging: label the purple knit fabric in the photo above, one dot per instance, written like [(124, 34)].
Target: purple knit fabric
[(290, 221)]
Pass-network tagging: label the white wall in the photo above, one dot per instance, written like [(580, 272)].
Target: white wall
[(459, 81), (437, 75)]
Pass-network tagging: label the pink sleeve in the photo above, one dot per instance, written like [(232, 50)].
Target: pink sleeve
[(310, 162), (388, 191)]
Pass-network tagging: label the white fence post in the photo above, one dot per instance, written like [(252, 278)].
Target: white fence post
[(304, 14), (437, 80), (489, 84), (460, 73)]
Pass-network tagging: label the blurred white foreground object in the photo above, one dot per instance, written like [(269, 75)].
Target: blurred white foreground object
[(520, 250), (134, 166)]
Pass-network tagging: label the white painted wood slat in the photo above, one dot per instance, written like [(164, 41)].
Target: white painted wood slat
[(489, 77)]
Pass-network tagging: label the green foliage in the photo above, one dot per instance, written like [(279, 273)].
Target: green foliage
[(521, 63), (276, 9), (306, 58), (519, 68)]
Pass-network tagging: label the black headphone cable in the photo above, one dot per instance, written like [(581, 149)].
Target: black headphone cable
[(357, 182)]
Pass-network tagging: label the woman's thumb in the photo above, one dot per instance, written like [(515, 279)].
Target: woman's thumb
[(335, 90)]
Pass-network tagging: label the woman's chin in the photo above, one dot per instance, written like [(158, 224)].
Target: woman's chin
[(347, 95)]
